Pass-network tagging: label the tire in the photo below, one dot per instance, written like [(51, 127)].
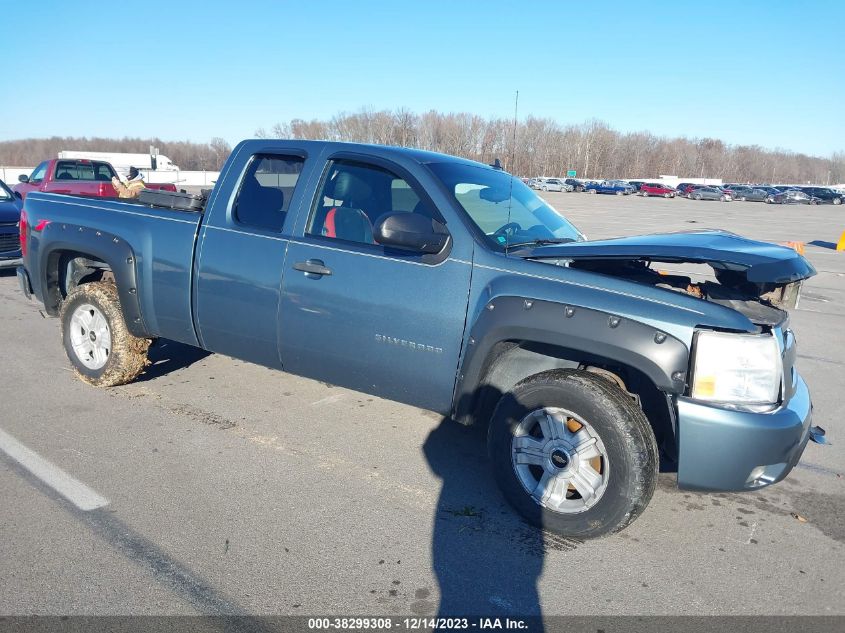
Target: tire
[(620, 193), (698, 196), (837, 201), (723, 199), (744, 199), (544, 188), (618, 473), (99, 346), (591, 191), (667, 195), (645, 194), (579, 189)]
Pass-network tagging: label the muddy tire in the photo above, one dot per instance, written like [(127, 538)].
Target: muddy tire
[(573, 454), (98, 344)]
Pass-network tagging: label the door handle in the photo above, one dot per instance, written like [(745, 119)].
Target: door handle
[(313, 268)]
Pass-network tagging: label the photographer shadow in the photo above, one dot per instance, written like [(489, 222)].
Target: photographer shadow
[(487, 560)]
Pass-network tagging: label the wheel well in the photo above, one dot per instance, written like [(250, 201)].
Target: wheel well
[(68, 269), (510, 362)]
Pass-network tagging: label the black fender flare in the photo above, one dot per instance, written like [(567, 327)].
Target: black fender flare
[(57, 238), (587, 334)]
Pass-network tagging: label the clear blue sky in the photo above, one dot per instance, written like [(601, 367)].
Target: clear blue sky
[(766, 72)]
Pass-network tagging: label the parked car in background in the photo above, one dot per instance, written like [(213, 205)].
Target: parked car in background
[(79, 177), (792, 196), (554, 184), (710, 193), (618, 187), (577, 185), (748, 194), (657, 189), (10, 213), (636, 184), (825, 194), (768, 189)]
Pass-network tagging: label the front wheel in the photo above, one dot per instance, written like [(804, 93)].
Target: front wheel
[(837, 201), (698, 196), (573, 454), (644, 193), (101, 349)]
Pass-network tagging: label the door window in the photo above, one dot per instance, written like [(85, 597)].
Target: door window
[(266, 191), (38, 173), (353, 198)]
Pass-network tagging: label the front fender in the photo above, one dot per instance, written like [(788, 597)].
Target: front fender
[(582, 333)]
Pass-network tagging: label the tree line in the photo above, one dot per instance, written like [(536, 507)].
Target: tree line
[(189, 156), (534, 147), (544, 147)]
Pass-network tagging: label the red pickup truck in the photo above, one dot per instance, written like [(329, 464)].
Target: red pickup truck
[(77, 177)]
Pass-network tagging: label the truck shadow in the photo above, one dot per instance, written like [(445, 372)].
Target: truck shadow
[(167, 356)]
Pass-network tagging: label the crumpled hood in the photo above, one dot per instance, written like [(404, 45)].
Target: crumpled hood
[(9, 211), (761, 261)]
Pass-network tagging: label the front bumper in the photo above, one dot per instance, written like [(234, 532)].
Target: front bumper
[(726, 449)]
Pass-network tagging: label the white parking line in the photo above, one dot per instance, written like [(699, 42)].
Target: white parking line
[(74, 491)]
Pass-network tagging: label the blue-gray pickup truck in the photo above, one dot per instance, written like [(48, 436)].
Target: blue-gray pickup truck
[(450, 285)]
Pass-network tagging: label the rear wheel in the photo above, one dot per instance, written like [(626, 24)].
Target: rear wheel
[(698, 196), (100, 347), (837, 201), (645, 193), (573, 454), (620, 193)]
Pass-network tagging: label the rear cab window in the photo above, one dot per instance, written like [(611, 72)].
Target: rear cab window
[(83, 170)]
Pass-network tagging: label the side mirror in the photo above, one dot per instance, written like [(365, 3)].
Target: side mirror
[(23, 178), (411, 232)]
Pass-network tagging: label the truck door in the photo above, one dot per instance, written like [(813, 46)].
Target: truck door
[(240, 258), (364, 316)]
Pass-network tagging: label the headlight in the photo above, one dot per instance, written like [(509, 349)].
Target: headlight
[(736, 368)]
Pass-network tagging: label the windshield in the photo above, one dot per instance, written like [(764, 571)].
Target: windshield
[(505, 210), (5, 192)]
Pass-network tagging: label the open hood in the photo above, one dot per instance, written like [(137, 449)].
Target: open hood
[(761, 263)]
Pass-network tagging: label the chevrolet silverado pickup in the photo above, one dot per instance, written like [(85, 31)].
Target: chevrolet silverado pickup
[(74, 176), (450, 285)]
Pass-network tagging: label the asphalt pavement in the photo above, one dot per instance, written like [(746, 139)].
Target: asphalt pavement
[(222, 487)]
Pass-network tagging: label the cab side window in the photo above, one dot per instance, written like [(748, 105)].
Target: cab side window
[(355, 196), (266, 191)]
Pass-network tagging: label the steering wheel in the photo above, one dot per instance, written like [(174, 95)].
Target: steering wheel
[(510, 227)]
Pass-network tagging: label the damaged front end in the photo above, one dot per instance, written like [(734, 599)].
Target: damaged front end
[(745, 416)]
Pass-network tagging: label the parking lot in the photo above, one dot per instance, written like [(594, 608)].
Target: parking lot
[(235, 489)]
